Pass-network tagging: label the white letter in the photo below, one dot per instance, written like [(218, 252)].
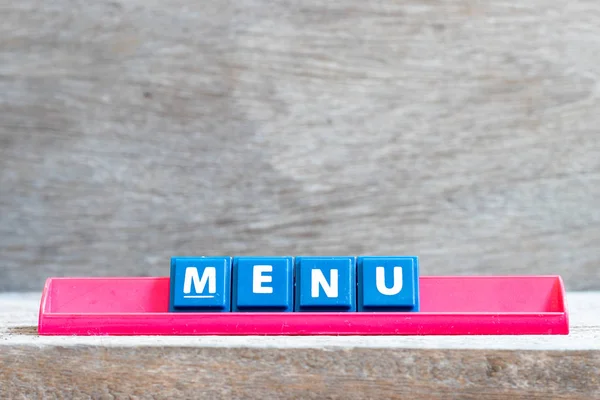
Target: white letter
[(209, 274), (258, 279), (380, 281), (317, 278)]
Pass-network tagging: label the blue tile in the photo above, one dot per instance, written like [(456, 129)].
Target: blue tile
[(200, 284), (325, 284), (388, 283), (263, 284)]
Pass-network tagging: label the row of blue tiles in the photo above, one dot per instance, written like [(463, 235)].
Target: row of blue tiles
[(286, 284)]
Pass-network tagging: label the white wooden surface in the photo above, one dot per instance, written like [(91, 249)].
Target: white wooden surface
[(20, 310)]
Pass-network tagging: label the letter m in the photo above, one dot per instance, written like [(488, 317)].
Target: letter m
[(209, 275)]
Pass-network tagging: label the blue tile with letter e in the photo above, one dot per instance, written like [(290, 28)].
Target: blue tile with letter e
[(325, 284), (388, 283), (263, 284), (200, 284)]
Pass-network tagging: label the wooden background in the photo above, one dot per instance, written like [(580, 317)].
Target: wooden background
[(462, 131)]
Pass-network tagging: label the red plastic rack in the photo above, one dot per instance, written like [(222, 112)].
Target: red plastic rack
[(450, 305)]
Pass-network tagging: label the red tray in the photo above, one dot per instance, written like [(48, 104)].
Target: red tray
[(475, 305)]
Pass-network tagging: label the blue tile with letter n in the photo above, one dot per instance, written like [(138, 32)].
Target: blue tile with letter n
[(388, 283), (200, 284), (263, 284), (325, 284)]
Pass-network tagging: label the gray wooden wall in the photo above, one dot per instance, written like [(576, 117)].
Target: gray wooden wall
[(462, 131)]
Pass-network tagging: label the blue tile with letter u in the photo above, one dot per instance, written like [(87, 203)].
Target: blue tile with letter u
[(200, 284), (325, 284), (388, 283), (263, 284)]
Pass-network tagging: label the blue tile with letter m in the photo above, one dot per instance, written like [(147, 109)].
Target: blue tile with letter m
[(325, 284), (200, 284), (388, 284), (263, 284)]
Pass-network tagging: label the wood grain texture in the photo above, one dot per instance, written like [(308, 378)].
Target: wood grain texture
[(168, 373), (536, 367), (464, 132)]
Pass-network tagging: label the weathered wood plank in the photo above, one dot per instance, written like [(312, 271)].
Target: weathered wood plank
[(211, 373), (565, 367), (464, 132)]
